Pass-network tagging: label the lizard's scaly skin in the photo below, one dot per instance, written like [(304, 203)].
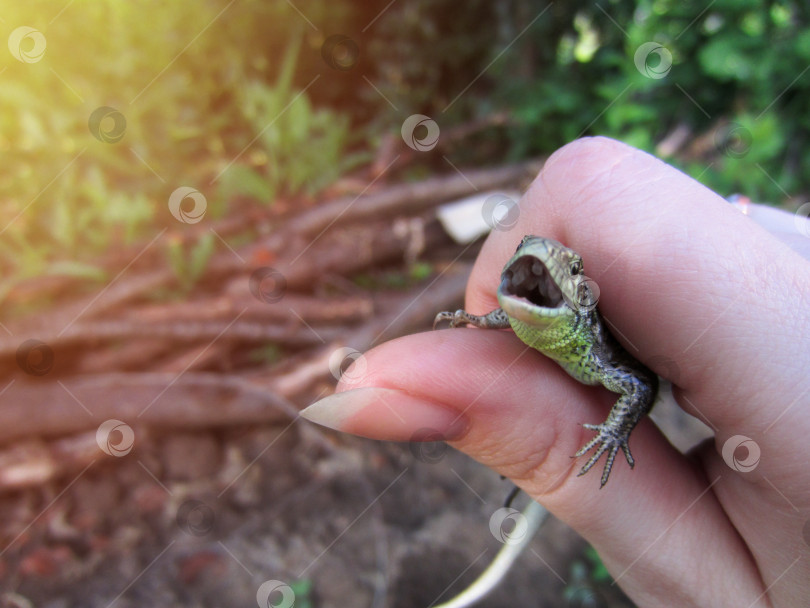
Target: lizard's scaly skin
[(548, 302)]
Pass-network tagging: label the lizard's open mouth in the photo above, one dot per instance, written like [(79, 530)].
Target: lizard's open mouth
[(528, 278)]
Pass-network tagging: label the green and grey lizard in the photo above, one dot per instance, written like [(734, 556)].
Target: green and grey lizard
[(548, 302)]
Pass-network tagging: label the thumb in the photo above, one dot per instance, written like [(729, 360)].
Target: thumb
[(517, 412)]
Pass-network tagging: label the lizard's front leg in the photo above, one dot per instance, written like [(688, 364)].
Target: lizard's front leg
[(495, 319)]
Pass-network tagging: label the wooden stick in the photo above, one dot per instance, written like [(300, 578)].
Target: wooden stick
[(191, 400), (411, 198)]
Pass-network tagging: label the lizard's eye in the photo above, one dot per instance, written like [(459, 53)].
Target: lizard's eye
[(576, 267)]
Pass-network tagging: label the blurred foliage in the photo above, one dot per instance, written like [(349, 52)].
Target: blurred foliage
[(396, 278), (586, 576), (302, 589), (189, 262), (240, 101), (598, 572), (304, 150), (204, 102), (267, 354), (567, 70)]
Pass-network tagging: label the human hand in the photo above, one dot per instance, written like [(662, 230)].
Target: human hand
[(690, 284)]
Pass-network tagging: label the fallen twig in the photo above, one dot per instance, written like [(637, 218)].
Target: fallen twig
[(191, 400), (411, 198)]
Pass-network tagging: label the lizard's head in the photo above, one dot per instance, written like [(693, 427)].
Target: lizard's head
[(543, 281)]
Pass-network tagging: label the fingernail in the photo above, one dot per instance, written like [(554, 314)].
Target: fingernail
[(385, 413)]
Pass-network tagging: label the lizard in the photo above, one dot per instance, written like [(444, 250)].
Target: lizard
[(546, 299)]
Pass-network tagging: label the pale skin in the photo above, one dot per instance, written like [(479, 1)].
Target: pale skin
[(690, 284)]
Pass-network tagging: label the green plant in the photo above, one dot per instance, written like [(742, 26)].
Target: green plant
[(737, 64), (76, 183), (302, 589), (302, 148), (569, 70), (583, 579), (598, 572), (189, 263), (267, 354)]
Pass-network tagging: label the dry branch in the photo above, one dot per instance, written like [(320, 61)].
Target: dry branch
[(415, 312), (39, 407), (313, 309), (412, 198), (192, 400), (196, 331), (342, 252), (33, 462)]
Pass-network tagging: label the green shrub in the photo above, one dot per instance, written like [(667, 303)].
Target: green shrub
[(133, 100), (561, 72)]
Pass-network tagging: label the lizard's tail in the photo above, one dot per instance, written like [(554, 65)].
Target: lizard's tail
[(535, 515)]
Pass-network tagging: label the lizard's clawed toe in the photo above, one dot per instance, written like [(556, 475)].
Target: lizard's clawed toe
[(442, 316), (460, 317), (608, 441)]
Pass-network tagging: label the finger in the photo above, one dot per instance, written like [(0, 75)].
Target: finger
[(793, 229), (521, 415)]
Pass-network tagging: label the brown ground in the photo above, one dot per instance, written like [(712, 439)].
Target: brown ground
[(350, 523)]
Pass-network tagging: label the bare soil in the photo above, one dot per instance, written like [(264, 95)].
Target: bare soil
[(203, 519)]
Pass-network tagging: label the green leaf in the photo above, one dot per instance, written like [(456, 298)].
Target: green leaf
[(72, 268), (177, 260), (599, 573), (802, 45), (241, 180), (200, 255), (420, 270), (725, 57)]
